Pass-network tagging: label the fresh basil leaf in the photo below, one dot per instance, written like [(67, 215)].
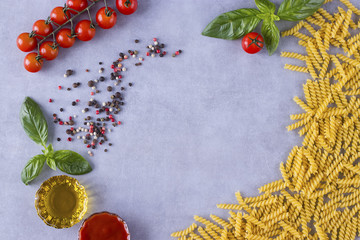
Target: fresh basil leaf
[(49, 151), (265, 6), (263, 15), (71, 162), (33, 121), (295, 10), (271, 35), (51, 163), (33, 168), (233, 25)]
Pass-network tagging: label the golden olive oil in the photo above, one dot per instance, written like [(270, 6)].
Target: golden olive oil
[(61, 201)]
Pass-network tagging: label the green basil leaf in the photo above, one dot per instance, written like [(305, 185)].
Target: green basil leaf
[(33, 168), (295, 10), (71, 162), (49, 151), (263, 15), (233, 25), (34, 122), (51, 163), (271, 35), (265, 6)]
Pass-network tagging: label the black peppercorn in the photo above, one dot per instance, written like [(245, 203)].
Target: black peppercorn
[(61, 109), (101, 79), (91, 83), (109, 88)]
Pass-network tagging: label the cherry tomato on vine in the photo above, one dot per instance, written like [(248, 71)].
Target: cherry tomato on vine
[(85, 30), (106, 17), (252, 42), (65, 38), (77, 5), (26, 42), (33, 62), (43, 28), (126, 7), (59, 15), (49, 50)]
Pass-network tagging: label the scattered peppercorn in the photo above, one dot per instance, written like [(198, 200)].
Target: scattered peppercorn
[(130, 84), (87, 70), (100, 63), (58, 139), (91, 83), (137, 40), (73, 103), (109, 88), (138, 64), (61, 109), (68, 89)]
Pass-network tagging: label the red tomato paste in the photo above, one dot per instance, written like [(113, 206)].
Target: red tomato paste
[(104, 226)]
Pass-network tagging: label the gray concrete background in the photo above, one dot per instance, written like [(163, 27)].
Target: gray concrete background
[(196, 128)]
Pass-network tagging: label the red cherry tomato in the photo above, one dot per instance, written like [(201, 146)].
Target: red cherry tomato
[(126, 7), (43, 28), (26, 42), (59, 16), (77, 5), (252, 43), (85, 30), (64, 38), (106, 17), (49, 50), (33, 62)]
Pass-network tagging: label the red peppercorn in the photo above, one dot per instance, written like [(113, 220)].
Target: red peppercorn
[(69, 139), (110, 116), (59, 87), (54, 118), (92, 144), (91, 131), (120, 77), (154, 39), (77, 100), (106, 109), (61, 123), (164, 52), (177, 52), (147, 54), (102, 132), (72, 129), (88, 146), (119, 122), (92, 93), (91, 126), (50, 100), (103, 128), (158, 51), (70, 118), (97, 112), (112, 120), (100, 143), (112, 66)]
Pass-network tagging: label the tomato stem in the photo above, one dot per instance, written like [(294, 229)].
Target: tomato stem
[(127, 3), (93, 2)]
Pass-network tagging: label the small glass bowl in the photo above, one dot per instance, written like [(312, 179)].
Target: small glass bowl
[(45, 192)]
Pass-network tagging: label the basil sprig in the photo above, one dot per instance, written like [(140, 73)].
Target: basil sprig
[(236, 24), (35, 126)]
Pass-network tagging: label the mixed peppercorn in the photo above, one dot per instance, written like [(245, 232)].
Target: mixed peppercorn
[(103, 115)]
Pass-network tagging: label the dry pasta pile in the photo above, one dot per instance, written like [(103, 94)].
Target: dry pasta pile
[(319, 195)]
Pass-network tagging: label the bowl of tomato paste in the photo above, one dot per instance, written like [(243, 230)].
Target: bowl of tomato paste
[(104, 226)]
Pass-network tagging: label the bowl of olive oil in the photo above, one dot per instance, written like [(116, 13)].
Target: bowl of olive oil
[(61, 201)]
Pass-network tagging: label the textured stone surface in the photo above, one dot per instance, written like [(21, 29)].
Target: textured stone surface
[(196, 128)]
